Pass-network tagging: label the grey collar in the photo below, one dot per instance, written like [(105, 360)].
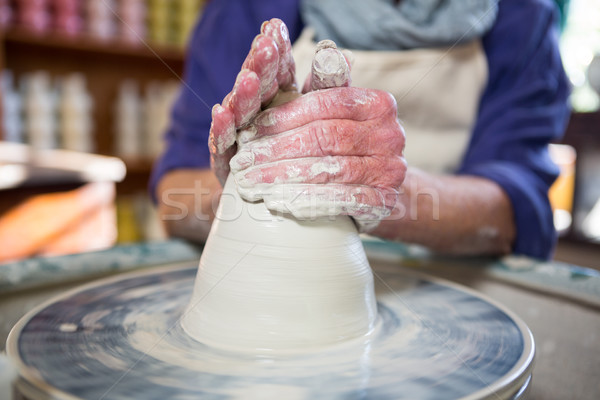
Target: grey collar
[(386, 25)]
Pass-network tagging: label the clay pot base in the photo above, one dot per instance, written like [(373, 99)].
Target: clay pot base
[(121, 338)]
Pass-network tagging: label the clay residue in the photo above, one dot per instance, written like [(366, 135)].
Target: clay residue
[(329, 69)]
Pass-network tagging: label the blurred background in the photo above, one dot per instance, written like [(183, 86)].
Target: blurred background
[(79, 78), (86, 90)]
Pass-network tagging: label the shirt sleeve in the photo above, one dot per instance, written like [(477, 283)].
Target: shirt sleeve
[(219, 44), (523, 108)]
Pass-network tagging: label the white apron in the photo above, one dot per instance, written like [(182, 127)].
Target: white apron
[(437, 91)]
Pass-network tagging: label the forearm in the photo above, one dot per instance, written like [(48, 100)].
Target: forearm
[(451, 214), (187, 201)]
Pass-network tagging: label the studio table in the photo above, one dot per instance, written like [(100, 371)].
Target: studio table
[(558, 302)]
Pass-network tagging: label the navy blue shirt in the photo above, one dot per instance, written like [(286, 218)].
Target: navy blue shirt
[(522, 109)]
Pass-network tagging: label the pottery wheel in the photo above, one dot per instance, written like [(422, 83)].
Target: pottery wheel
[(121, 338)]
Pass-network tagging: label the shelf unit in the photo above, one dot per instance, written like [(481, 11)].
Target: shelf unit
[(105, 64)]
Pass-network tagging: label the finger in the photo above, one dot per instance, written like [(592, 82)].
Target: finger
[(244, 99), (371, 171), (221, 141), (263, 59), (358, 104), (222, 129), (309, 201), (323, 138), (277, 30), (329, 67)]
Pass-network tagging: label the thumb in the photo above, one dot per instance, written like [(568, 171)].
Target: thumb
[(330, 68)]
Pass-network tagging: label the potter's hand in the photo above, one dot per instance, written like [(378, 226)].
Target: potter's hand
[(328, 152), (268, 68)]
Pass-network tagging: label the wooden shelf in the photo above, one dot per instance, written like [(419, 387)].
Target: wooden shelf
[(138, 164), (105, 65), (88, 44)]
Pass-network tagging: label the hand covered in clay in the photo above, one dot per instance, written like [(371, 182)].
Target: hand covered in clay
[(329, 152), (268, 69)]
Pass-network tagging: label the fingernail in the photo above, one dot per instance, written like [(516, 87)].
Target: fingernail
[(255, 41), (285, 35), (214, 110), (325, 44), (264, 26), (242, 160)]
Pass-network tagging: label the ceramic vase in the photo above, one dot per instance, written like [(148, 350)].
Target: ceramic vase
[(270, 282)]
